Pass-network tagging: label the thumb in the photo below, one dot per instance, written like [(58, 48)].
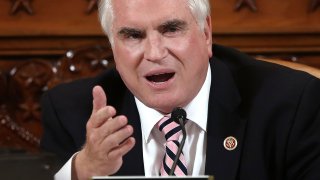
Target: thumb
[(99, 98)]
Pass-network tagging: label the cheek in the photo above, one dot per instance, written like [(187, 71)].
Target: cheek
[(128, 54), (125, 67), (127, 64), (196, 58), (190, 46)]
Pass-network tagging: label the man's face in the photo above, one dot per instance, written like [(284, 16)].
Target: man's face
[(160, 51)]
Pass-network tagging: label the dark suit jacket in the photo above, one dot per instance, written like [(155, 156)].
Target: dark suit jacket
[(273, 111)]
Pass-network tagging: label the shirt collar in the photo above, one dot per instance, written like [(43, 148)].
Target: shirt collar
[(197, 110)]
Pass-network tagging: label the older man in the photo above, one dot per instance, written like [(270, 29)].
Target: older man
[(245, 119)]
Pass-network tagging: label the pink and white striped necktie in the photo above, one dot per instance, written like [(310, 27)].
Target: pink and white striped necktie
[(172, 131)]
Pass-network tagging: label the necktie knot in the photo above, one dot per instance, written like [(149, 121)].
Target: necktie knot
[(170, 129)]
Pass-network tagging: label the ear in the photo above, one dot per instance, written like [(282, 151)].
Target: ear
[(208, 34)]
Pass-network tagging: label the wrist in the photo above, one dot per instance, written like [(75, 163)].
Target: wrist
[(80, 169)]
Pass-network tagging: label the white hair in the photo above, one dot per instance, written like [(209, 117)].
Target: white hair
[(199, 8)]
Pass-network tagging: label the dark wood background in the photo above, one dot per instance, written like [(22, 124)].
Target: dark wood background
[(47, 42)]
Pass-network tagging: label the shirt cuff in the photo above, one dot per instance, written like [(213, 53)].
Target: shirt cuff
[(65, 172)]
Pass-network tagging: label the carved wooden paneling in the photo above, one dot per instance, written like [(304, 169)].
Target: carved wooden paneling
[(82, 62), (73, 23), (18, 5), (23, 84), (249, 3), (273, 16), (314, 5), (277, 27), (3, 85), (92, 6)]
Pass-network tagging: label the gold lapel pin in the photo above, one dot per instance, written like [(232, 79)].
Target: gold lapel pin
[(230, 143)]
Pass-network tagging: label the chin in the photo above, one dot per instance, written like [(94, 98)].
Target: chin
[(163, 106)]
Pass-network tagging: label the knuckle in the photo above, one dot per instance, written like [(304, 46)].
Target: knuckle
[(119, 121), (115, 156), (107, 132), (92, 137), (113, 142), (88, 125), (111, 110)]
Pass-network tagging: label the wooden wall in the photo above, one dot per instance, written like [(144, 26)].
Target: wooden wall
[(287, 29), (35, 36)]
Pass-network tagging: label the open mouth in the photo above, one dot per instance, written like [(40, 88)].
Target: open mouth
[(160, 78)]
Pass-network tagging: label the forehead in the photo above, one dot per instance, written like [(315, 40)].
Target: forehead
[(139, 12)]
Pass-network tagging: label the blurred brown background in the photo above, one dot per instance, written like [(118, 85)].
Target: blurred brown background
[(47, 42)]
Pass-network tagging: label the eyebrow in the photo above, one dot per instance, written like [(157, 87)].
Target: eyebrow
[(125, 31), (173, 23)]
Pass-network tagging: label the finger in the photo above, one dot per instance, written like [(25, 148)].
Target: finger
[(122, 149), (112, 126), (101, 116), (98, 135), (99, 98), (114, 140)]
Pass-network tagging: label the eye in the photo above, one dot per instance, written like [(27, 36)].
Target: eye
[(131, 34), (172, 29)]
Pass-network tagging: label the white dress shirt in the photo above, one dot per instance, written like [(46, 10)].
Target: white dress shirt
[(194, 149), (153, 141)]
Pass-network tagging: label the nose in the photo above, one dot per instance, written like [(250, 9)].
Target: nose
[(155, 49)]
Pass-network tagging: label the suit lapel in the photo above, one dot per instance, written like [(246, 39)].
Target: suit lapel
[(223, 121), (133, 160)]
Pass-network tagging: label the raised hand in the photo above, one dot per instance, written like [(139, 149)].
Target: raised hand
[(108, 139)]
